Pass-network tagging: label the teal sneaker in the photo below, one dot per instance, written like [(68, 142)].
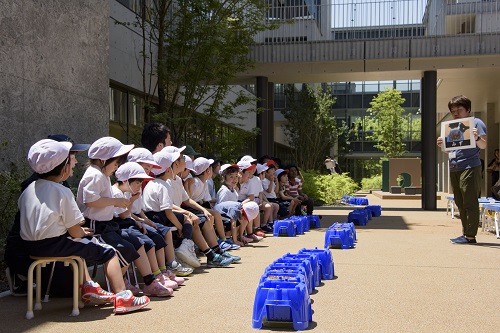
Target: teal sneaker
[(233, 258), (219, 261)]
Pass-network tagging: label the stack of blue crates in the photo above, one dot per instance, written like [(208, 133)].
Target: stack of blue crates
[(342, 235), (295, 225), (283, 294)]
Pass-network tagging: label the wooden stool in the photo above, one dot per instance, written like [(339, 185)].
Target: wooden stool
[(78, 266)]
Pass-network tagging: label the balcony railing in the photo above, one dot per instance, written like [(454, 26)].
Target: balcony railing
[(365, 20)]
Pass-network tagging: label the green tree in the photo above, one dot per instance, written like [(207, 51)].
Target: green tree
[(386, 108), (201, 46), (310, 128)]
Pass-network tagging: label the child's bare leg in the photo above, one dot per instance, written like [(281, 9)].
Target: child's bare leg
[(142, 262), (268, 212), (209, 234), (169, 249), (114, 274), (153, 262), (234, 234), (219, 226), (198, 238), (276, 209), (160, 257)]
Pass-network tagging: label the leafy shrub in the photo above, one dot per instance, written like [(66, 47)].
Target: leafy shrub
[(328, 188), (373, 183), (9, 192)]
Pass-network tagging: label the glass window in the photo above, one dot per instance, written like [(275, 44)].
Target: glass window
[(386, 84), (402, 85)]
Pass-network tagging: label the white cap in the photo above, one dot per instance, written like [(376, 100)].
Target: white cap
[(131, 170), (165, 160), (189, 163), (46, 154), (246, 165), (261, 168), (225, 166), (201, 164), (142, 155), (108, 147), (251, 210), (279, 171), (248, 158), (172, 149)]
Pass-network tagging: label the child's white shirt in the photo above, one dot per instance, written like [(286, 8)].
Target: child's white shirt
[(117, 193), (179, 194), (156, 196), (137, 205), (225, 194), (265, 184), (199, 191), (93, 186), (47, 209)]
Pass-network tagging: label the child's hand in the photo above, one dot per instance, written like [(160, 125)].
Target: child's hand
[(121, 202), (87, 232), (150, 223), (135, 196)]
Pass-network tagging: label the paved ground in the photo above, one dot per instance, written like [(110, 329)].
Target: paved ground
[(403, 276)]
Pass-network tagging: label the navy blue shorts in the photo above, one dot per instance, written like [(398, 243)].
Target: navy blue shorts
[(157, 235), (88, 248), (126, 245), (161, 218), (283, 210), (198, 213)]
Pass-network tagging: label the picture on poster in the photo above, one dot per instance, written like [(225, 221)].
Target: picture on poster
[(457, 134)]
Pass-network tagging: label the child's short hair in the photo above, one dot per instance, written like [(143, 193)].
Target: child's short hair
[(458, 101), (228, 171), (131, 180), (120, 160), (56, 171), (153, 134)]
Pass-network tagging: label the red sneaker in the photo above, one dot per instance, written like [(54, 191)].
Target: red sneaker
[(93, 293), (259, 233), (128, 303)]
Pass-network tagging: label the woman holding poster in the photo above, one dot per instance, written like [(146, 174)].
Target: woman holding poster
[(462, 138)]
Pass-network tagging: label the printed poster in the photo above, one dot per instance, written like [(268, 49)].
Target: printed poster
[(457, 134)]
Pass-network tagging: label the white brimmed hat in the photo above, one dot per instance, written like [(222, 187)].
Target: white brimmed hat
[(261, 168), (248, 158), (46, 154), (142, 155), (246, 165), (280, 171), (164, 160), (201, 164), (131, 170), (172, 149), (224, 167), (108, 147), (251, 209), (189, 163)]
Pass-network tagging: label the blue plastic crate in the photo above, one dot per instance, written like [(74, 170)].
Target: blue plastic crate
[(325, 261), (282, 301), (314, 221), (358, 217), (376, 210), (314, 264), (350, 226), (296, 276), (284, 228), (338, 236), (368, 213), (278, 268), (300, 222)]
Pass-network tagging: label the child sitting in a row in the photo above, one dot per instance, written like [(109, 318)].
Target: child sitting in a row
[(95, 199), (51, 223)]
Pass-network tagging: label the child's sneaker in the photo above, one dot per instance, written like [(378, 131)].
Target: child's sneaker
[(246, 239), (171, 276), (93, 293), (156, 289), (224, 245), (233, 258), (186, 253), (181, 270), (255, 237), (219, 261), (233, 246), (166, 282), (131, 287), (259, 233), (127, 302), (267, 228)]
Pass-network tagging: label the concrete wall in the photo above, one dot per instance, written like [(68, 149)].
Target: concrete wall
[(53, 72)]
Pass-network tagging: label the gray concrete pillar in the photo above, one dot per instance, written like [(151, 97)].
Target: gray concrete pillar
[(429, 165)]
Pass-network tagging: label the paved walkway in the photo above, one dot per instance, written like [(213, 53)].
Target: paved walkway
[(403, 276)]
